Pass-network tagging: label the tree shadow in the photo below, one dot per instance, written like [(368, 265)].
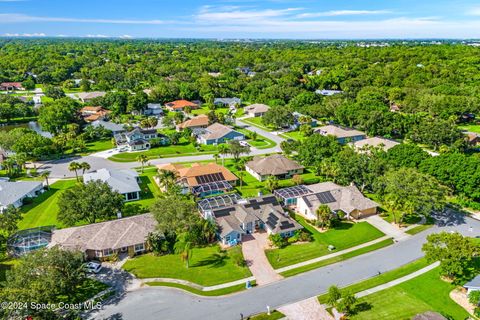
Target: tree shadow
[(145, 192), (216, 260), (361, 307)]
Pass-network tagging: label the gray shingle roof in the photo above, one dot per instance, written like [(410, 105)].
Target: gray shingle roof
[(114, 127), (339, 132), (123, 181), (474, 283), (11, 192), (273, 165)]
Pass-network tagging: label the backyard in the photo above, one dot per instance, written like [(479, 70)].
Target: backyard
[(423, 293), (344, 236), (208, 266)]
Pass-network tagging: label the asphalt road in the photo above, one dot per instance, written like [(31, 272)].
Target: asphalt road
[(167, 303), (59, 168)]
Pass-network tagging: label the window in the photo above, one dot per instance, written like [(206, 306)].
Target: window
[(98, 253), (107, 252), (139, 247), (227, 238)]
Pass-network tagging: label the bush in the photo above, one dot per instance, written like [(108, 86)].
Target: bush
[(278, 241), (474, 297), (27, 200), (304, 236)]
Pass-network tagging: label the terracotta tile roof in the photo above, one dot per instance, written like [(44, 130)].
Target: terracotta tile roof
[(180, 104), (198, 121), (11, 84), (190, 174)]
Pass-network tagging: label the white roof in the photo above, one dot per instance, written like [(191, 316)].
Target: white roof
[(11, 192), (123, 181)]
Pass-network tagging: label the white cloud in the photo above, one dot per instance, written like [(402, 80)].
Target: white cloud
[(475, 11), (336, 13), (20, 18), (126, 36), (211, 14), (41, 34), (96, 36)]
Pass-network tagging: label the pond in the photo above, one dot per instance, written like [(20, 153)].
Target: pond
[(31, 125)]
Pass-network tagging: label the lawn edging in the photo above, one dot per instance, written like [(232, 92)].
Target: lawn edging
[(205, 291)]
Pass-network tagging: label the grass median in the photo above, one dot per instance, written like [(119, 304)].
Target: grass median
[(212, 293)]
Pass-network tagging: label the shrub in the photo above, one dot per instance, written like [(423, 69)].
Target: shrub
[(304, 236), (27, 200), (278, 241), (474, 297)]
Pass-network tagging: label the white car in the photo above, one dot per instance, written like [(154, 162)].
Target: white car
[(244, 143), (94, 267)]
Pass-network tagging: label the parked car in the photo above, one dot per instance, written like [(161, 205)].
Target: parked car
[(94, 267), (244, 143)]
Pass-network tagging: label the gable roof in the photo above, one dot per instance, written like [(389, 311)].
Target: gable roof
[(11, 192), (276, 164), (198, 121), (217, 131), (113, 234), (257, 108), (376, 142), (339, 132), (123, 181), (180, 104)]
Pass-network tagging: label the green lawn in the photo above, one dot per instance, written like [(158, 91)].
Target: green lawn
[(339, 258), (423, 293), (295, 135), (44, 209), (149, 190), (208, 267), (274, 315), (344, 236), (97, 146), (257, 122), (471, 128), (212, 293)]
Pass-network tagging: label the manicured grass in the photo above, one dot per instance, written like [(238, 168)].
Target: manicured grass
[(419, 229), (149, 191), (87, 290), (212, 293), (274, 315), (339, 258), (207, 267), (471, 128), (257, 122), (382, 278), (182, 149), (344, 236), (98, 146), (43, 210), (295, 135), (426, 292)]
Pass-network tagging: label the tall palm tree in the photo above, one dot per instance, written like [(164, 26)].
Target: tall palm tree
[(45, 174), (241, 175), (324, 216), (223, 151), (166, 178), (74, 166), (142, 159), (84, 166), (184, 247), (216, 156), (209, 230)]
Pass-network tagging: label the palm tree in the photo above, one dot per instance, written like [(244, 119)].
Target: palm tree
[(84, 166), (209, 230), (45, 174), (142, 159), (216, 156), (152, 122), (166, 178), (184, 247), (324, 216), (223, 150), (271, 183), (74, 166), (241, 175)]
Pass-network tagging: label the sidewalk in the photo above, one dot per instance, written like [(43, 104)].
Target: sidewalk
[(328, 256)]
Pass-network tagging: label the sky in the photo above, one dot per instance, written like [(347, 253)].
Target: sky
[(232, 19)]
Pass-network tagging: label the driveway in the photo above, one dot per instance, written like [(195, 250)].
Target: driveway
[(253, 248), (309, 309), (387, 228), (170, 303)]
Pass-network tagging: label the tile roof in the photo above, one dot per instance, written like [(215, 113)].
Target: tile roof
[(193, 176), (180, 104), (113, 234), (91, 95), (276, 164), (198, 121), (123, 181)]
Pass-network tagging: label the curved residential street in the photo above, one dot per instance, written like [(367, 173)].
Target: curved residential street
[(167, 303), (59, 168)]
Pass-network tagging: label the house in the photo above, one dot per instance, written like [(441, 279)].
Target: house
[(300, 119), (275, 165), (394, 108), (247, 216), (202, 179), (139, 139), (11, 86), (180, 105), (198, 122), (14, 193), (328, 93), (90, 113), (3, 157), (89, 96), (101, 240), (256, 110), (472, 138), (227, 102), (154, 109), (343, 135), (124, 182), (348, 200), (473, 285), (383, 143), (218, 133), (115, 128)]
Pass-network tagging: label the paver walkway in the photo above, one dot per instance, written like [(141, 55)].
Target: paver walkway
[(387, 228), (309, 309), (253, 248)]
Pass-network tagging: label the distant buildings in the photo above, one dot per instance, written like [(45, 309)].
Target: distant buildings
[(11, 86), (218, 133), (343, 135), (90, 114), (180, 105), (154, 109), (198, 122), (325, 92), (124, 182), (275, 165), (227, 102), (14, 193), (86, 97), (139, 139), (256, 110), (383, 143)]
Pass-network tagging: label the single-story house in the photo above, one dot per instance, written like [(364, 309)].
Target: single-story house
[(139, 139), (14, 193), (90, 113), (154, 109), (300, 119), (180, 105), (473, 285), (325, 92), (348, 200), (202, 179), (89, 96), (256, 110), (101, 240), (115, 128), (198, 122), (227, 101), (218, 133), (275, 165), (245, 217), (124, 182), (383, 143), (343, 135), (11, 86)]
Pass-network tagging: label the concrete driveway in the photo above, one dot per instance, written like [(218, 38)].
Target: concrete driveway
[(253, 248)]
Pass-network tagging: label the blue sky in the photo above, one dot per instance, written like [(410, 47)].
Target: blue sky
[(307, 19)]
